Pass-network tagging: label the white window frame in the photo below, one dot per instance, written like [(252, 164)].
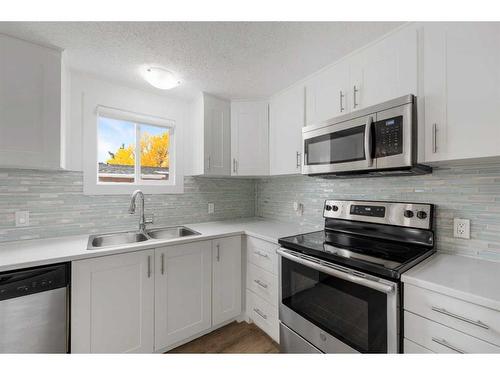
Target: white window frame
[(92, 185)]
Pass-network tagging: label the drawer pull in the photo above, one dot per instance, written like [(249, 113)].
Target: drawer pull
[(260, 283), (448, 345), (263, 255), (477, 323), (258, 312)]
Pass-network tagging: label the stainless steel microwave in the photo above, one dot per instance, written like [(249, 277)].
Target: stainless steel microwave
[(376, 141)]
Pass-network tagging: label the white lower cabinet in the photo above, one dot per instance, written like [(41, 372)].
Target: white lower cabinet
[(183, 292), (226, 299), (112, 302)]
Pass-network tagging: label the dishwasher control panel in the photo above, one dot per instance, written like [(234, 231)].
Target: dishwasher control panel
[(27, 281)]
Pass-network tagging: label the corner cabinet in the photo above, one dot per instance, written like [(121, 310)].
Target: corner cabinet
[(30, 105), (286, 119), (112, 304), (461, 80), (249, 138)]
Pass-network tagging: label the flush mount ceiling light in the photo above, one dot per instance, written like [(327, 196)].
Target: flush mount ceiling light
[(161, 78)]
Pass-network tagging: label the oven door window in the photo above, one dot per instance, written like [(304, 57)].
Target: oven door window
[(354, 314), (337, 147)]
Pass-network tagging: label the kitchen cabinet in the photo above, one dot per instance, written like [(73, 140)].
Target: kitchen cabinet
[(208, 147), (183, 292), (30, 105), (461, 90), (286, 119), (112, 301), (226, 280), (249, 138)]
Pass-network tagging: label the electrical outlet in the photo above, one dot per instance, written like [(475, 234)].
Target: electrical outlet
[(22, 218), (461, 228), (211, 208)]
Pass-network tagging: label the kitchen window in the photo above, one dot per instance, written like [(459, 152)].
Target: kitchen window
[(132, 151)]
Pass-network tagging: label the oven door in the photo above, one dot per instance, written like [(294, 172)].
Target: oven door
[(341, 147), (335, 309)]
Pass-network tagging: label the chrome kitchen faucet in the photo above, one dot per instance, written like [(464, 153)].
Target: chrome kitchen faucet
[(131, 210)]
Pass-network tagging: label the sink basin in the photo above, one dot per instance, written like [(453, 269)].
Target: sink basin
[(170, 232), (113, 239)]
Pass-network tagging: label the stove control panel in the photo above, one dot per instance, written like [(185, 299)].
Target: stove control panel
[(413, 215)]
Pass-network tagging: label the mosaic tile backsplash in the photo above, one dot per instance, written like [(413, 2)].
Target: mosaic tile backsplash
[(58, 207), (469, 192)]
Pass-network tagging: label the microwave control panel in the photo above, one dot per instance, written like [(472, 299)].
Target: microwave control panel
[(389, 137)]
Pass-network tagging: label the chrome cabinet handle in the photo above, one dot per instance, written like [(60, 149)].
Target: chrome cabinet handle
[(162, 263), (263, 255), (260, 283), (234, 165), (149, 266), (209, 162), (434, 138), (368, 141), (355, 91), (217, 256), (297, 159), (477, 323), (257, 311), (341, 97), (446, 344)]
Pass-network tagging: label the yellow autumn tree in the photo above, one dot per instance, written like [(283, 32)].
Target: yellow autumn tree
[(154, 152)]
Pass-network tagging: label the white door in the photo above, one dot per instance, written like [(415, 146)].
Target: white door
[(112, 304), (183, 292), (385, 70), (226, 279), (217, 136), (30, 105), (461, 90), (286, 119), (249, 138), (327, 93)]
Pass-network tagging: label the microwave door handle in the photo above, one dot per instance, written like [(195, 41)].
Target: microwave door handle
[(368, 141), (337, 272)]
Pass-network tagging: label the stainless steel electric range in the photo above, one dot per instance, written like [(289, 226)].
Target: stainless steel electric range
[(340, 288)]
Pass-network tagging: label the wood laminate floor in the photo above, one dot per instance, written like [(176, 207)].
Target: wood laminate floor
[(236, 338)]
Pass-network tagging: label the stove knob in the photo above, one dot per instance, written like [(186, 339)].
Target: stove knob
[(408, 213), (335, 208), (328, 207), (422, 214)]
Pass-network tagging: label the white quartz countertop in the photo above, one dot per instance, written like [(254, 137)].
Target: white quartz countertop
[(469, 279), (22, 254)]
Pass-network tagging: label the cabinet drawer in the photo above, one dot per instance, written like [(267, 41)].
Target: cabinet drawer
[(441, 339), (262, 283), (262, 254), (475, 320), (411, 348), (263, 314)]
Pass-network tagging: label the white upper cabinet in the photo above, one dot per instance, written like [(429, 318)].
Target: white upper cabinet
[(208, 143), (461, 69), (384, 70), (30, 105), (327, 93), (286, 119), (249, 138)]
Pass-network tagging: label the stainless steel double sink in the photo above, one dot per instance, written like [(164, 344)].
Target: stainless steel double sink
[(98, 241)]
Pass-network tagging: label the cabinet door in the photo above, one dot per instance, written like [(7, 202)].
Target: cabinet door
[(183, 286), (461, 90), (385, 70), (326, 93), (286, 119), (112, 304), (217, 158), (226, 279), (249, 138), (30, 105)]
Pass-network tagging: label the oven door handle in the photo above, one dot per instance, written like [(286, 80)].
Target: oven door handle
[(368, 141), (332, 270)]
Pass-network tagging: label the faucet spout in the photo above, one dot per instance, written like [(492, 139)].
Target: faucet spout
[(132, 208)]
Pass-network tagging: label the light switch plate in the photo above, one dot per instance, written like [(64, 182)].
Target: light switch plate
[(211, 208), (22, 218), (461, 228)]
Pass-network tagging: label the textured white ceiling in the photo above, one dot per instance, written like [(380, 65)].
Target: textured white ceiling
[(229, 59)]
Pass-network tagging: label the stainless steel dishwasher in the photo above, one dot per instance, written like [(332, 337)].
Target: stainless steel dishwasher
[(34, 310)]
